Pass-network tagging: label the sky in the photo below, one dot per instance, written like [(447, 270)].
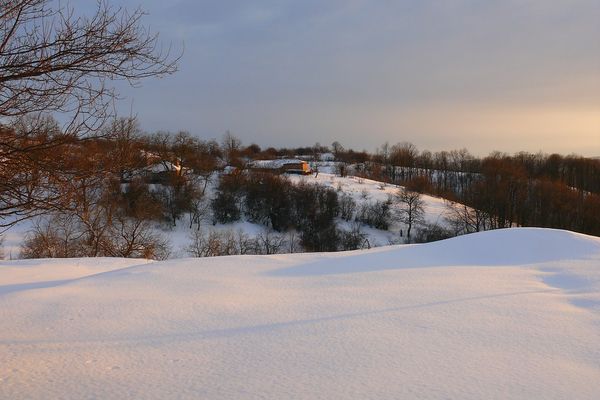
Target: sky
[(506, 75)]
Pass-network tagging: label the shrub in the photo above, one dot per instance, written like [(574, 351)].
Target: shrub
[(225, 207), (376, 214), (354, 239), (347, 207), (135, 238), (55, 237), (432, 233), (325, 239), (270, 243), (65, 236), (267, 200)]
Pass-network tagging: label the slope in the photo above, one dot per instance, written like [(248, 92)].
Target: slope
[(501, 314)]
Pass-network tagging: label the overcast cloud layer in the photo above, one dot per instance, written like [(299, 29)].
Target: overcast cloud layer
[(487, 75)]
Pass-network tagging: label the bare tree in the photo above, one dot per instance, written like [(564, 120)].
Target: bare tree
[(341, 168), (200, 209), (66, 235), (55, 61), (410, 211), (270, 242), (245, 244), (198, 244), (464, 219), (337, 149), (292, 242), (29, 173), (231, 147), (354, 238), (403, 157), (135, 238), (55, 236), (213, 244), (125, 147)]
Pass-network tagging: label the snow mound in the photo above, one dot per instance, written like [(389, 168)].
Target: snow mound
[(514, 246), (511, 314), (32, 274)]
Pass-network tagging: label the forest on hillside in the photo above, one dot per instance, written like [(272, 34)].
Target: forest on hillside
[(105, 194)]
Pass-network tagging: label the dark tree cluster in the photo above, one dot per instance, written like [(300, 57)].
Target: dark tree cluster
[(275, 202)]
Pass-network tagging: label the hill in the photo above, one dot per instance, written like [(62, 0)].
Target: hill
[(362, 191)]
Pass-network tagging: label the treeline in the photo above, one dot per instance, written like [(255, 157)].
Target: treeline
[(504, 190), (501, 190)]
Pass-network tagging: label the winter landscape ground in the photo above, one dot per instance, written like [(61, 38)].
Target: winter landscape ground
[(501, 314)]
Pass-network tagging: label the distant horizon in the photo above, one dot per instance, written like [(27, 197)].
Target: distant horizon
[(293, 143)]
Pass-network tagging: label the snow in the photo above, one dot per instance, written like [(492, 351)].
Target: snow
[(511, 314), (366, 190), (274, 164), (362, 189), (163, 166)]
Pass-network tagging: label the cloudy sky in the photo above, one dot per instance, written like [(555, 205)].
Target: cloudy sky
[(488, 75)]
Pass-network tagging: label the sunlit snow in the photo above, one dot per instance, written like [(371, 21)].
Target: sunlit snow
[(501, 314)]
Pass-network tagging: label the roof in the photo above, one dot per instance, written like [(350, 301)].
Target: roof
[(274, 164)]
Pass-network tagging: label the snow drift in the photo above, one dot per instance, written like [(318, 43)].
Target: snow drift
[(501, 314)]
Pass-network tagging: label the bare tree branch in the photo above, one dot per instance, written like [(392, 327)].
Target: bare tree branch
[(53, 60)]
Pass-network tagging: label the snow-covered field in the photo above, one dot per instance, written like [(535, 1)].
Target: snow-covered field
[(501, 314)]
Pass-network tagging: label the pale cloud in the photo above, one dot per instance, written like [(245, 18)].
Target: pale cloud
[(442, 74)]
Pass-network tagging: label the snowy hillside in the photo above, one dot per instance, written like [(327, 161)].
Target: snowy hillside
[(511, 314), (361, 190)]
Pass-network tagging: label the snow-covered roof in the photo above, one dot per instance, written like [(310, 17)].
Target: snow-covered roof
[(274, 164)]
